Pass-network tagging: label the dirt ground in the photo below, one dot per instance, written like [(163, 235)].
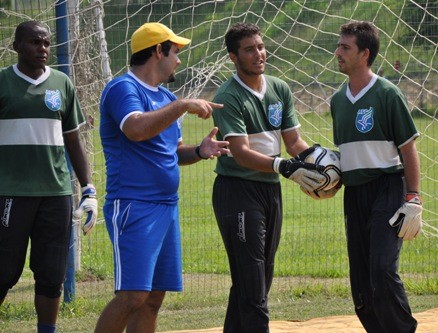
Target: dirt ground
[(427, 323)]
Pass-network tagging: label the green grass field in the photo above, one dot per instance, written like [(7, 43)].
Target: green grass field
[(313, 240), (311, 263)]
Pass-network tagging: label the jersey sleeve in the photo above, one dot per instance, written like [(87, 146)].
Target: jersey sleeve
[(73, 116), (403, 127), (290, 119), (121, 100)]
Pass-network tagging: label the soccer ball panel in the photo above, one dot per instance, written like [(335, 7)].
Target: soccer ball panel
[(331, 163), (321, 194)]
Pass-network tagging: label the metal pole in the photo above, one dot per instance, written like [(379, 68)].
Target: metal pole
[(64, 66)]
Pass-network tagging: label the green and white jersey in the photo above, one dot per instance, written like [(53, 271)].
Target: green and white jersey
[(369, 129), (34, 114), (259, 116)]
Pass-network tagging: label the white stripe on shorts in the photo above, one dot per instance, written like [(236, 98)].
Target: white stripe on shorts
[(118, 267)]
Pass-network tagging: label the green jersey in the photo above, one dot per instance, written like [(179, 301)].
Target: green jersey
[(259, 116), (369, 129), (34, 114)]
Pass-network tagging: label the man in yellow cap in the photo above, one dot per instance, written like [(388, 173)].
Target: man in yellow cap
[(140, 129)]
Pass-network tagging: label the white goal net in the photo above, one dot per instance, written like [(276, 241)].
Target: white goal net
[(300, 38)]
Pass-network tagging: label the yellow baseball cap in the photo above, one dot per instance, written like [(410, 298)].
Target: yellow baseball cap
[(150, 34)]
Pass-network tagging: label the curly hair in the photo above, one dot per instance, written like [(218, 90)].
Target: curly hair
[(238, 32)]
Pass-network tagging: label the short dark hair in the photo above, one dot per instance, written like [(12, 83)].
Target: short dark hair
[(367, 37), (238, 32), (24, 27), (139, 58)]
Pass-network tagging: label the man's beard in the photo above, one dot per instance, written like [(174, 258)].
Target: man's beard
[(250, 72), (171, 78)]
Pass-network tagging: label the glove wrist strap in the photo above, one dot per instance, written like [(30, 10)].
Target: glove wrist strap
[(413, 195), (88, 191), (276, 164)]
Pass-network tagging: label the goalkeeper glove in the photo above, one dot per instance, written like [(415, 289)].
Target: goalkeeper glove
[(302, 156), (87, 204), (305, 174), (408, 217)]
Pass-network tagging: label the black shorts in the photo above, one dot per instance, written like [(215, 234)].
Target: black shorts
[(46, 222)]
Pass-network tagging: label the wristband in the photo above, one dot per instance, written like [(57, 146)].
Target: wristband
[(412, 195), (276, 164), (198, 152)]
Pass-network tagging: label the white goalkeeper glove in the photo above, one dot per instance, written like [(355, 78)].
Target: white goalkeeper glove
[(87, 204), (408, 217), (303, 173)]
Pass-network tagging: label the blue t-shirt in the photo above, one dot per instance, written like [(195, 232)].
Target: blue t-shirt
[(146, 170)]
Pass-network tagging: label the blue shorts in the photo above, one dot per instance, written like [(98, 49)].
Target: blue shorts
[(146, 243)]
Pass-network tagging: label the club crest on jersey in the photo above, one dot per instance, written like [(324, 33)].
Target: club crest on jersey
[(365, 120), (53, 99), (275, 114)]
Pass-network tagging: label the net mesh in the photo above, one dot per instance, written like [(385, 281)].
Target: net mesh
[(300, 38)]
